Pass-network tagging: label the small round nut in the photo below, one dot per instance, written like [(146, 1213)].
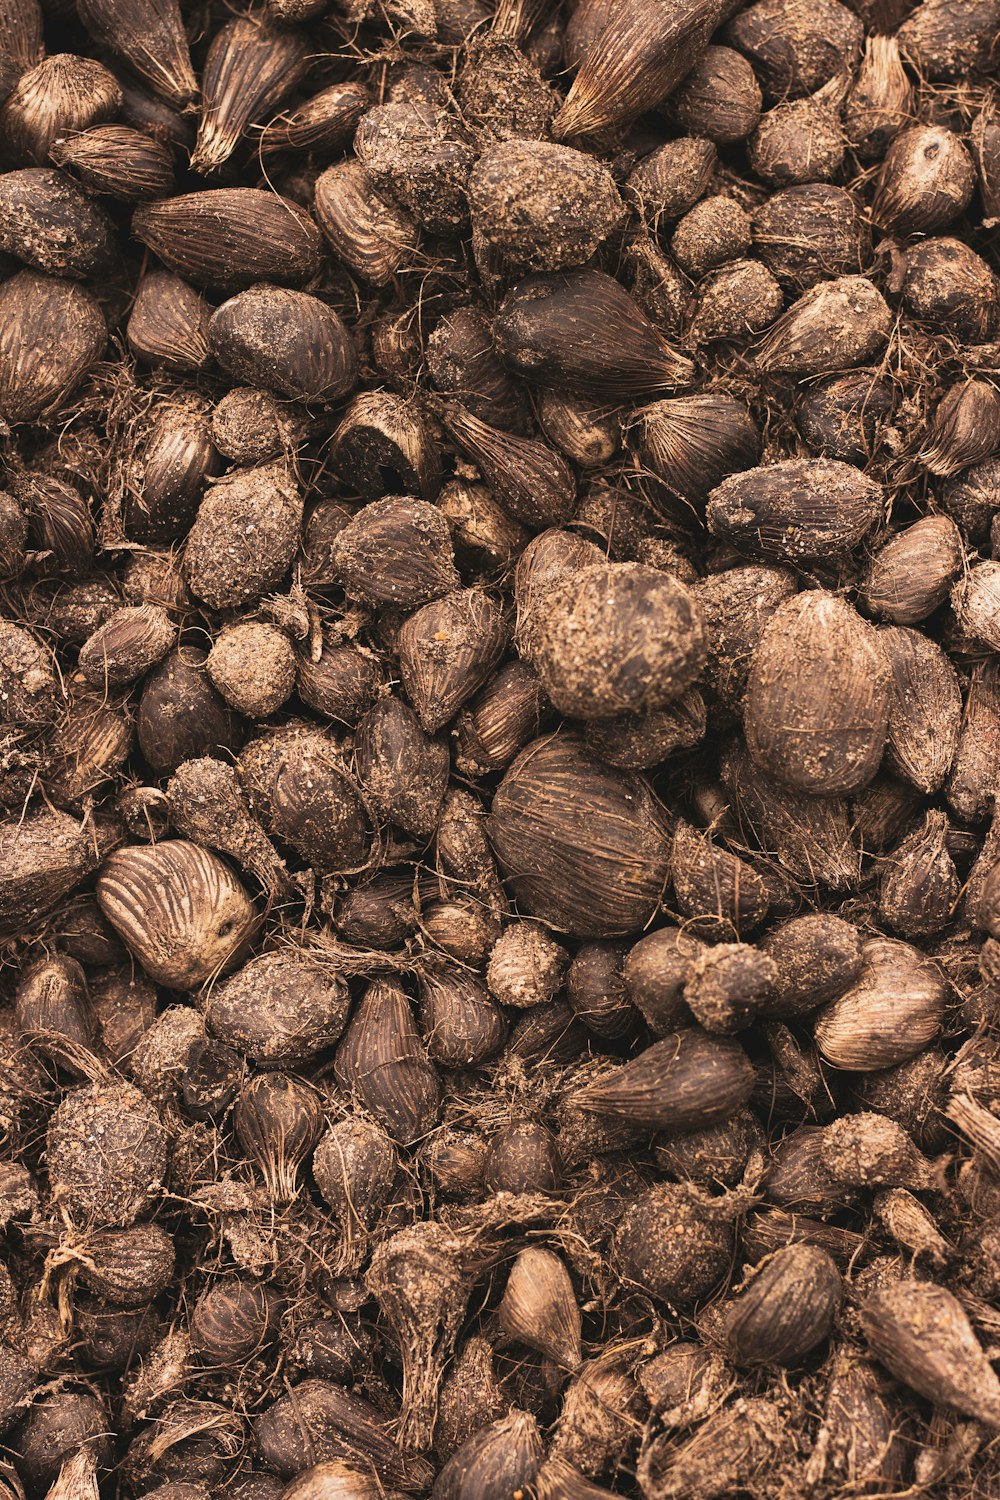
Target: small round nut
[(253, 666)]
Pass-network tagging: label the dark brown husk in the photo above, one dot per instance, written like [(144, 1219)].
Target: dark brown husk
[(580, 330), (227, 238), (150, 36), (634, 63), (584, 847)]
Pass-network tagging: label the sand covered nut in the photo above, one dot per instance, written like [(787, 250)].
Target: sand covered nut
[(253, 666), (949, 286), (415, 154), (727, 986), (720, 893), (818, 696), (280, 1008), (670, 180), (396, 551), (526, 966), (801, 141), (285, 341), (796, 48), (617, 638), (715, 230), (786, 1310), (847, 417), (734, 1449), (720, 99), (807, 233), (735, 302), (300, 788), (714, 1157), (833, 325), (542, 206), (43, 855), (798, 508), (870, 1150), (684, 1382), (244, 536), (921, 1333), (13, 536), (585, 848), (735, 605), (463, 929), (29, 691), (250, 426), (127, 645), (523, 1157), (106, 1153), (675, 1242), (178, 908), (816, 958), (927, 180), (943, 40), (49, 222), (976, 602), (154, 577)]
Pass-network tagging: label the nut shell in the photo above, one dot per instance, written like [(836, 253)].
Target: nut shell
[(178, 908), (787, 1309), (585, 847), (818, 696)]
